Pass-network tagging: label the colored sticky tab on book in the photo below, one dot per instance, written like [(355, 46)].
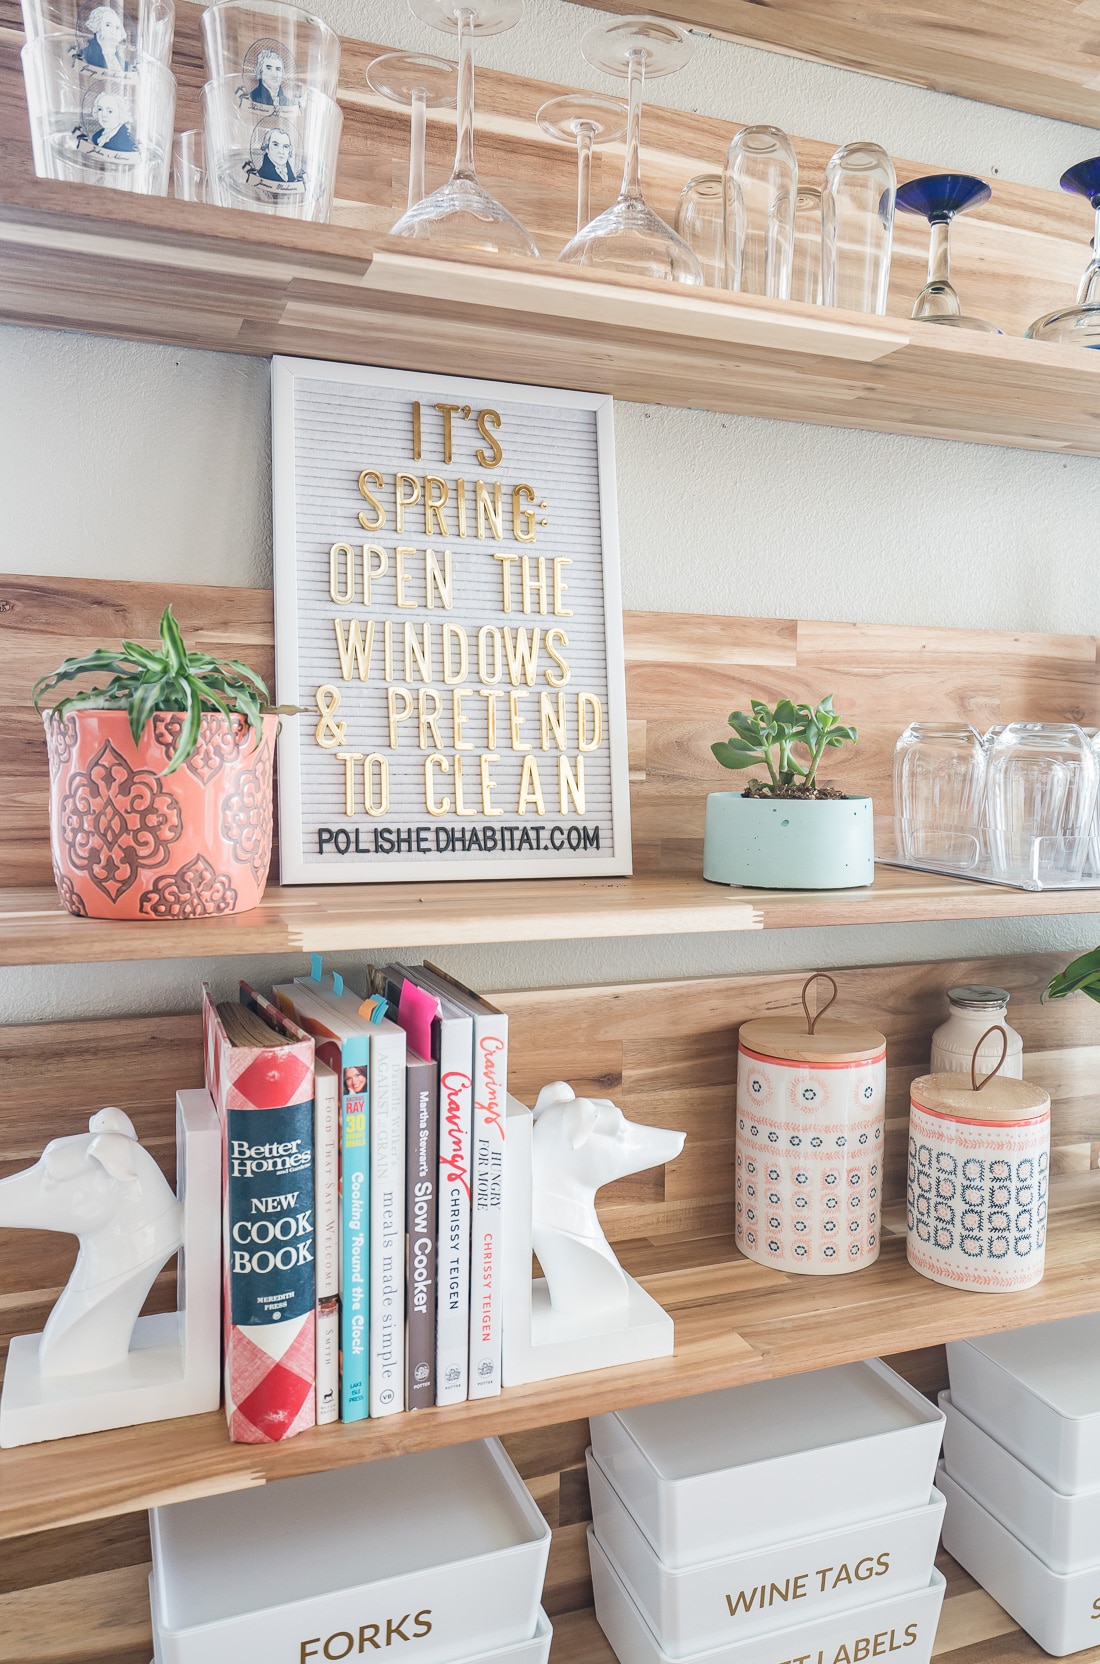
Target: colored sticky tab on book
[(416, 1011), (374, 1009), (316, 974)]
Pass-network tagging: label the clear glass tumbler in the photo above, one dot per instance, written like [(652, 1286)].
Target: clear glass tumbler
[(97, 129), (1041, 800), (806, 252), (858, 227), (939, 794), (275, 161), (106, 37), (270, 47), (701, 222), (761, 187), (189, 166)]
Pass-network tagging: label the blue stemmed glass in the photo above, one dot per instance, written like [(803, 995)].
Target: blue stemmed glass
[(1078, 325), (938, 198)]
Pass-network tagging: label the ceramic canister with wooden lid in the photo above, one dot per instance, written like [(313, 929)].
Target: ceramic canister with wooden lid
[(976, 1190), (811, 1108)]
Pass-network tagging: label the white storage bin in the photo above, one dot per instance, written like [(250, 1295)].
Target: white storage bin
[(446, 1546), (695, 1608), (904, 1625), (1037, 1390), (535, 1651), (734, 1471), (1061, 1613), (1064, 1531)]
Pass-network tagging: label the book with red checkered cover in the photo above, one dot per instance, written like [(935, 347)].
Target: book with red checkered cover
[(264, 1097)]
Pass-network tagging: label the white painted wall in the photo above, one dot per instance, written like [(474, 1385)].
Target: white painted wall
[(719, 513)]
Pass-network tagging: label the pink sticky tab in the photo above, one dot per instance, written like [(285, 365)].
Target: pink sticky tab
[(416, 1011)]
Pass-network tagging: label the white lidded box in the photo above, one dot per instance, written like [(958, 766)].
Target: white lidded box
[(1064, 1531), (440, 1552), (698, 1607), (1037, 1391), (904, 1625), (1061, 1612), (734, 1471)]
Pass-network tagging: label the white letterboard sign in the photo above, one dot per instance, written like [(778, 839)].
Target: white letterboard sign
[(449, 623)]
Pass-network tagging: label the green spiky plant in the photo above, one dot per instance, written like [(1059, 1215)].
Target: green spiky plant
[(165, 678), (768, 737), (1080, 977)]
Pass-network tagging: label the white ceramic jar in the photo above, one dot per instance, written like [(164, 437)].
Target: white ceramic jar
[(810, 1133), (976, 1190), (974, 1008)]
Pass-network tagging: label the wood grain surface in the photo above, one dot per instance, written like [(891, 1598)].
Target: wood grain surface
[(684, 674), (156, 269), (1036, 55), (666, 1053)]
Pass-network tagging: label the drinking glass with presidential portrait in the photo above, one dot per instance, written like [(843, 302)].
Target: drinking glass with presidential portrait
[(271, 160), (99, 126)]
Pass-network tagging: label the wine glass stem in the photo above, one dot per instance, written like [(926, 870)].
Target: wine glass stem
[(632, 170), (1089, 292), (939, 252), (584, 174), (464, 149), (416, 146)]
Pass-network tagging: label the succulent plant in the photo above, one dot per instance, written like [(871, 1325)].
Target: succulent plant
[(767, 738)]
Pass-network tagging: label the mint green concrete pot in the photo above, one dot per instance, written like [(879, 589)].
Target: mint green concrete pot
[(789, 843)]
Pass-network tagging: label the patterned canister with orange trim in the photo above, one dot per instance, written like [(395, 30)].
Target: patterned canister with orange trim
[(976, 1191), (811, 1110)]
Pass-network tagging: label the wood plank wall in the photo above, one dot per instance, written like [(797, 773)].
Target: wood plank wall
[(685, 673), (664, 1051)]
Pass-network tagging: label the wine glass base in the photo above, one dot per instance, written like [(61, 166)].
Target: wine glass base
[(629, 237), (487, 17), (461, 215), (566, 117), (962, 323), (403, 76), (1074, 326), (663, 46)]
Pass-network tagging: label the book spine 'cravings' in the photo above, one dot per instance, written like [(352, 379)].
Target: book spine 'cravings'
[(326, 1161), (264, 1098), (387, 1219), (452, 1356), (490, 1095), (422, 1171)]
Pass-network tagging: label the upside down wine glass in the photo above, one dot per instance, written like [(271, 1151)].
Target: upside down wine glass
[(420, 82), (461, 213), (1078, 325), (938, 198), (629, 236), (584, 120)]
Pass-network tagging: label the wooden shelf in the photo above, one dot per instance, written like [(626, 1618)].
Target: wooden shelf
[(143, 268), (1035, 55), (35, 930), (735, 1322), (103, 1618)]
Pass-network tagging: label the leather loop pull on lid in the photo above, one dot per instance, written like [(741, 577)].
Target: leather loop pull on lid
[(822, 976), (998, 1066)]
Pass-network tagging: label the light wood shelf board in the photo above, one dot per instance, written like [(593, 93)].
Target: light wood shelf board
[(1034, 55), (155, 269)]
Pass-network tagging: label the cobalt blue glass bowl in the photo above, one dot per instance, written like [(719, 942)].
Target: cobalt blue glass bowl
[(940, 196), (1083, 179)]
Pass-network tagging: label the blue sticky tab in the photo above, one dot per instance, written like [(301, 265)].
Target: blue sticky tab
[(379, 1009), (337, 983), (315, 967)]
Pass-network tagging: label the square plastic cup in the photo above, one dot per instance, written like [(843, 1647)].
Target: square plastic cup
[(189, 166), (108, 37), (268, 46), (92, 128), (271, 161)]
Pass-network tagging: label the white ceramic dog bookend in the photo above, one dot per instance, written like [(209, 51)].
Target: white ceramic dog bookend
[(585, 1312), (578, 1145), (98, 1363), (109, 1192)]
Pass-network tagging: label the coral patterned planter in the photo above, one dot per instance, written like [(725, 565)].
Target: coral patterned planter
[(809, 1151), (129, 843)]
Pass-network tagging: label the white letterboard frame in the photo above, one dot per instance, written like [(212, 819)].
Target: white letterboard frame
[(434, 586)]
